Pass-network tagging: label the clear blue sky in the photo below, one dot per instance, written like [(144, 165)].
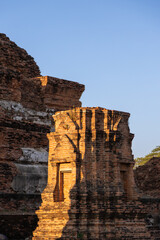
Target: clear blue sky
[(111, 46)]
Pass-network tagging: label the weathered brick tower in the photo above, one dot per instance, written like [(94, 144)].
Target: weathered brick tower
[(27, 103), (91, 191)]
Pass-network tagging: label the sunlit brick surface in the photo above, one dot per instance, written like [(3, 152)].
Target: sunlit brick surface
[(91, 191), (27, 103)]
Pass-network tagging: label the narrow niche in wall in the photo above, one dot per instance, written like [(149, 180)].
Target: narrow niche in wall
[(63, 182), (124, 173)]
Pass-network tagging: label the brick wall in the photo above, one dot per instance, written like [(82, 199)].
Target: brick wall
[(91, 192), (27, 102)]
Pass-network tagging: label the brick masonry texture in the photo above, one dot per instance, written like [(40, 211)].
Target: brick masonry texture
[(91, 192), (147, 178), (148, 174), (27, 102), (15, 60)]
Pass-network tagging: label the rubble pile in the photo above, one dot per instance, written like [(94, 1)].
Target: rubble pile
[(148, 177)]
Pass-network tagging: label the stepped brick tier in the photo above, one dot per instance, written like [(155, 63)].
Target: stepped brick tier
[(27, 102), (90, 192)]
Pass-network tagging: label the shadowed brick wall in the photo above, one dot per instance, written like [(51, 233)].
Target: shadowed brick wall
[(91, 191)]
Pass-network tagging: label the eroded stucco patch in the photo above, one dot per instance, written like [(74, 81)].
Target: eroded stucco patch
[(34, 155), (30, 178), (20, 113)]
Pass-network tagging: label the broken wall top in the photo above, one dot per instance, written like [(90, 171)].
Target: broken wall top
[(20, 81), (112, 125), (16, 60)]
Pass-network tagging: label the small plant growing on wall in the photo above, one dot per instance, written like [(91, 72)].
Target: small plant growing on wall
[(80, 235), (73, 115)]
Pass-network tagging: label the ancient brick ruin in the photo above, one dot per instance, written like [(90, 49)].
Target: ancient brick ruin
[(91, 193), (147, 178), (27, 102), (148, 174)]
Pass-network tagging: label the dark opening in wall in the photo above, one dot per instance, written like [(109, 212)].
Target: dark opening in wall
[(62, 182), (126, 180)]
